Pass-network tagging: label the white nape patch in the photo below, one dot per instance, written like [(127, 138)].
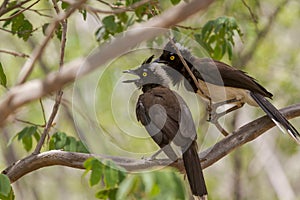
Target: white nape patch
[(159, 71), (181, 47)]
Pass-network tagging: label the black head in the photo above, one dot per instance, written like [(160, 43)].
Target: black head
[(170, 56), (149, 73)]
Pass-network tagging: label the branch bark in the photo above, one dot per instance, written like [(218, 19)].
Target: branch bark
[(208, 157)]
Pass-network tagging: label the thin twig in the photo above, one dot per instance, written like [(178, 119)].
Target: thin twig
[(28, 122), (43, 111), (6, 10), (28, 66), (253, 16), (245, 58), (19, 12), (48, 125), (3, 5), (60, 92), (38, 12), (117, 10), (188, 27), (16, 54)]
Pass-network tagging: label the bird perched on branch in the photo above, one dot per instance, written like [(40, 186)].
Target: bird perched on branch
[(220, 84), (168, 120)]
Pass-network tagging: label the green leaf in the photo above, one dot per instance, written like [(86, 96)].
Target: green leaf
[(94, 165), (109, 23), (71, 144), (59, 140), (126, 187), (219, 34), (21, 26), (25, 30), (109, 193), (81, 147), (83, 12), (2, 76), (64, 5), (6, 23), (5, 187), (175, 2), (58, 32), (27, 142), (229, 50), (44, 28), (149, 181), (123, 17), (111, 175), (26, 136)]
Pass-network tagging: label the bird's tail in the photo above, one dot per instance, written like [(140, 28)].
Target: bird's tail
[(194, 171), (276, 116)]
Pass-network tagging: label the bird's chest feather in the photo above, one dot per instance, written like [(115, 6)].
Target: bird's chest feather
[(222, 93)]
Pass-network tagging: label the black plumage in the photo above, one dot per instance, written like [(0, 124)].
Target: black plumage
[(168, 119), (221, 83)]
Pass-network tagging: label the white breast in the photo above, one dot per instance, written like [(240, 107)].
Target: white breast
[(221, 93)]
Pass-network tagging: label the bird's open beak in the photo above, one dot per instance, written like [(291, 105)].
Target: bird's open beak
[(158, 60), (130, 72)]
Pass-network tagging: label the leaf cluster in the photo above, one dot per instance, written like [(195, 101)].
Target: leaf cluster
[(217, 36), (116, 183)]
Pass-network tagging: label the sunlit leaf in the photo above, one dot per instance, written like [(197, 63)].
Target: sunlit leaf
[(71, 144), (126, 187), (175, 2), (109, 193), (80, 147), (96, 167), (5, 186), (58, 140), (25, 135), (2, 76), (109, 23)]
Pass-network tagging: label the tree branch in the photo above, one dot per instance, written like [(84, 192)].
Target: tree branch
[(29, 65), (117, 10), (208, 157), (32, 90), (4, 9), (59, 92), (246, 57), (23, 55), (19, 12)]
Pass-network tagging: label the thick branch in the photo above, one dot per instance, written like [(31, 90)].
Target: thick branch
[(32, 90), (208, 157)]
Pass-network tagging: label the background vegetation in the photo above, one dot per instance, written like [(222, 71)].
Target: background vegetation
[(259, 37)]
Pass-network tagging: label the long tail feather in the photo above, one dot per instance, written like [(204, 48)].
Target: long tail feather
[(276, 116), (194, 171)]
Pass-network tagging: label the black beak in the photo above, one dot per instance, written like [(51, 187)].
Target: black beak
[(158, 60), (130, 72)]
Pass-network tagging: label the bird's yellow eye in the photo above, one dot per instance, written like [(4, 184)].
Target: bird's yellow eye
[(172, 57), (145, 74)]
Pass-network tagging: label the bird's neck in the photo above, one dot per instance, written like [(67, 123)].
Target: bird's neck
[(181, 73), (147, 87)]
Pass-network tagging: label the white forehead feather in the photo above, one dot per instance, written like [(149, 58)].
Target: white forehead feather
[(159, 71), (180, 47)]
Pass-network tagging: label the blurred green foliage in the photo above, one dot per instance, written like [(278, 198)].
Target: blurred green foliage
[(118, 184), (6, 192), (227, 31)]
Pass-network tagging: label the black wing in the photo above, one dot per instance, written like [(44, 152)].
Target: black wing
[(166, 117), (219, 73)]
